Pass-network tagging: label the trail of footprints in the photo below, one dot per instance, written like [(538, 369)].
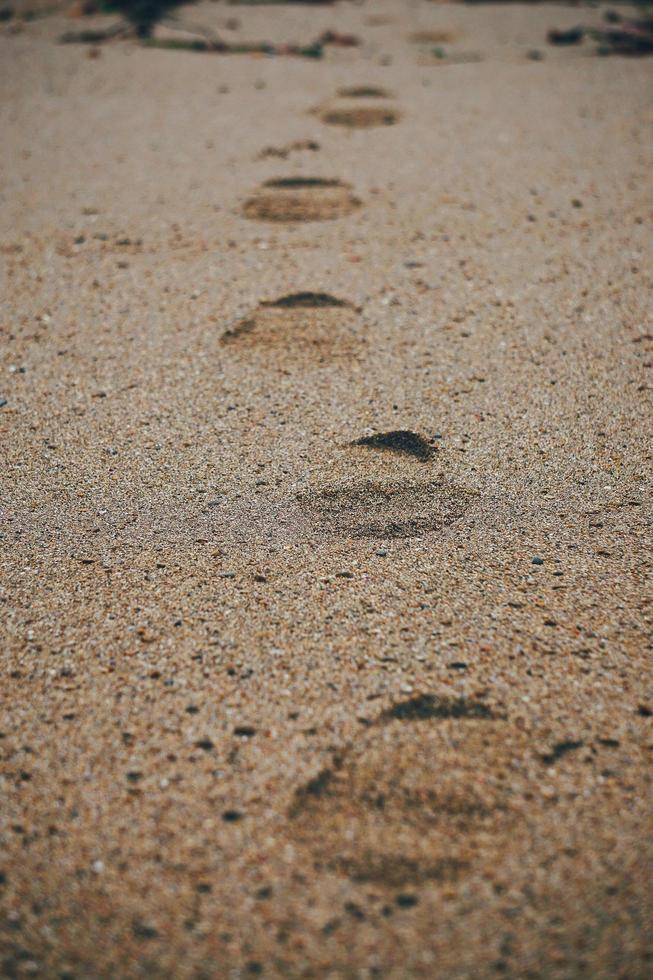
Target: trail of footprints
[(315, 327), (392, 810), (294, 199)]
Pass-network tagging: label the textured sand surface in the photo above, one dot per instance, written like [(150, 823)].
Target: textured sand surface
[(279, 698)]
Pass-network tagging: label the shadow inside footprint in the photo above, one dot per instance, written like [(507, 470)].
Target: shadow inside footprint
[(429, 706), (301, 183), (401, 441), (305, 301), (364, 92)]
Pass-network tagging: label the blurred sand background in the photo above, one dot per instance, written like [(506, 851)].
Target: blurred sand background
[(277, 705)]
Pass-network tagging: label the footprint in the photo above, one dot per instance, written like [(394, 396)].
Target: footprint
[(434, 800), (306, 324), (292, 199), (385, 509), (359, 107)]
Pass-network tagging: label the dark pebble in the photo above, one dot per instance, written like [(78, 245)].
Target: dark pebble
[(232, 816), (537, 561), (355, 911), (406, 901), (330, 927), (142, 931)]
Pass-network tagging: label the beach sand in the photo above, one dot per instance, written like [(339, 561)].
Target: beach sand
[(277, 701)]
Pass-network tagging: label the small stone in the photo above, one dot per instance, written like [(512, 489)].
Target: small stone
[(537, 561), (143, 931), (232, 816), (406, 900), (245, 731)]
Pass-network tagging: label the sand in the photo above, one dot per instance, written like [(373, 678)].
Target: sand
[(282, 695)]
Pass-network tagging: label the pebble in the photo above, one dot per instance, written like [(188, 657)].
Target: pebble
[(232, 816), (406, 900), (537, 561)]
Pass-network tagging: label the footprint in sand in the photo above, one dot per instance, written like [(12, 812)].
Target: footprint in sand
[(290, 199), (385, 509), (437, 788), (307, 325), (393, 501), (359, 107)]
